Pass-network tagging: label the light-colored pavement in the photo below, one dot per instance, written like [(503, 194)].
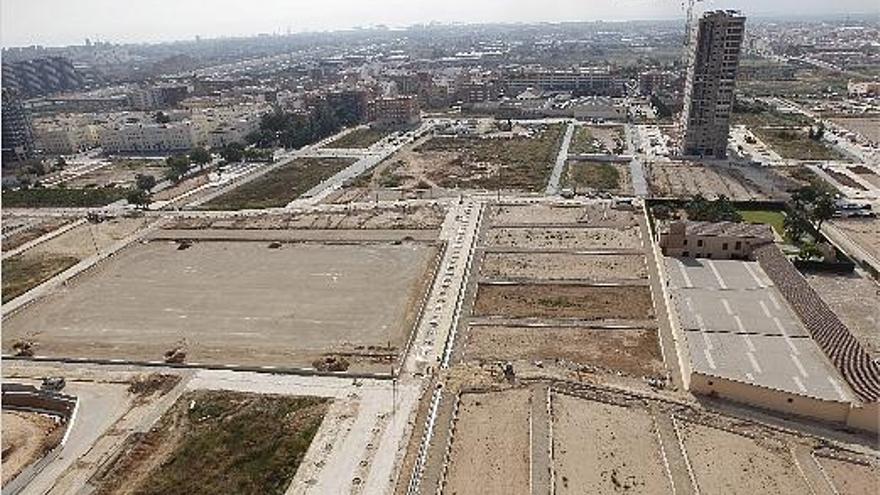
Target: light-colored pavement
[(636, 167), (561, 157)]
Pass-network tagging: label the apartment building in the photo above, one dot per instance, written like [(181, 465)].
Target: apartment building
[(17, 136), (400, 111), (713, 62), (65, 138), (592, 81), (150, 137), (40, 76)]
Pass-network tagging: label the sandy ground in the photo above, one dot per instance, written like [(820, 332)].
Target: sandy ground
[(427, 217), (564, 266), (26, 437), (28, 229), (593, 214), (564, 301), (120, 173), (490, 450), (602, 448), (570, 177), (739, 183), (856, 301), (233, 303), (183, 186), (564, 238), (864, 232), (866, 174), (634, 352), (867, 127), (851, 478), (729, 463), (82, 241)]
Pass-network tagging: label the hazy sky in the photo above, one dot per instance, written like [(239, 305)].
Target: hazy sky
[(61, 22)]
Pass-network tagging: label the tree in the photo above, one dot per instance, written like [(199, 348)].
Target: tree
[(719, 210), (161, 118), (178, 166), (232, 152), (138, 197), (145, 182), (809, 208), (200, 155)]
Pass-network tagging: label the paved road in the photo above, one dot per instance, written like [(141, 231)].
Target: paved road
[(561, 157), (637, 169)]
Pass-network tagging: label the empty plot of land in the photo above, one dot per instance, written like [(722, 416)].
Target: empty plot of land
[(728, 463), (597, 140), (739, 183), (611, 177), (856, 301), (796, 144), (851, 478), (218, 442), (863, 232), (279, 186), (867, 174), (632, 351), (490, 450), (564, 301), (27, 437), (868, 127), (89, 238), (564, 238), (119, 173), (564, 266), (234, 303), (30, 230), (604, 448), (22, 273), (359, 138), (593, 214)]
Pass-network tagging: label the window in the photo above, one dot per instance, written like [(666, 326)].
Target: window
[(686, 254), (699, 243), (724, 246), (738, 245), (685, 242)]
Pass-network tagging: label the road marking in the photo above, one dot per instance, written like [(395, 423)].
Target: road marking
[(754, 362), (726, 306), (754, 275), (765, 309), (684, 275), (798, 365), (794, 350), (717, 275), (709, 358), (749, 343), (774, 301), (739, 324), (837, 388), (779, 325), (750, 376), (708, 342), (700, 323), (800, 385)]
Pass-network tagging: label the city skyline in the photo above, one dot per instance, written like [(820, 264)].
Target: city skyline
[(104, 20)]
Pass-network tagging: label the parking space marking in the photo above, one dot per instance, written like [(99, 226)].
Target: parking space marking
[(684, 275), (709, 358), (749, 343), (800, 385), (837, 388), (765, 309), (754, 362), (774, 301), (726, 306), (798, 365), (717, 274), (754, 275), (739, 324)]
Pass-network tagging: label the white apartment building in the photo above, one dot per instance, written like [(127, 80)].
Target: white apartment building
[(708, 99), (151, 137), (65, 139)]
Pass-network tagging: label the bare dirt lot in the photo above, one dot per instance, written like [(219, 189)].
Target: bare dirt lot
[(31, 229), (424, 217), (597, 140), (595, 214), (564, 238), (564, 301), (738, 183), (27, 437), (235, 303), (564, 266), (856, 301), (22, 273), (633, 351), (181, 187), (730, 463), (864, 232), (121, 173), (88, 239), (867, 127), (604, 448), (597, 176), (218, 442), (490, 450), (851, 478)]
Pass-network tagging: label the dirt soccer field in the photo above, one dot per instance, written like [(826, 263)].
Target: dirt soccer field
[(738, 183), (564, 238), (490, 449), (26, 438), (564, 301), (851, 478), (634, 352), (729, 463), (564, 266), (235, 303), (603, 448)]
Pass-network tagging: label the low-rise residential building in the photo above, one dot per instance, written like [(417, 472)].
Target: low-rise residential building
[(400, 111), (717, 240)]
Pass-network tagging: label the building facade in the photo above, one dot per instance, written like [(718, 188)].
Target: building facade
[(708, 98), (721, 240), (18, 134), (40, 76), (401, 111)]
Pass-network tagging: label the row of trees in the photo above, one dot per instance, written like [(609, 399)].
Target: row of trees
[(295, 130), (809, 208)]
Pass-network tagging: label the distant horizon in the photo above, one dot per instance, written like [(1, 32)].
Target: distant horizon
[(24, 23)]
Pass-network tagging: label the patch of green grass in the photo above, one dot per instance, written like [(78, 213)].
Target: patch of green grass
[(280, 186), (359, 138), (795, 144), (45, 197), (598, 176), (224, 442), (24, 272), (774, 219), (583, 142)]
